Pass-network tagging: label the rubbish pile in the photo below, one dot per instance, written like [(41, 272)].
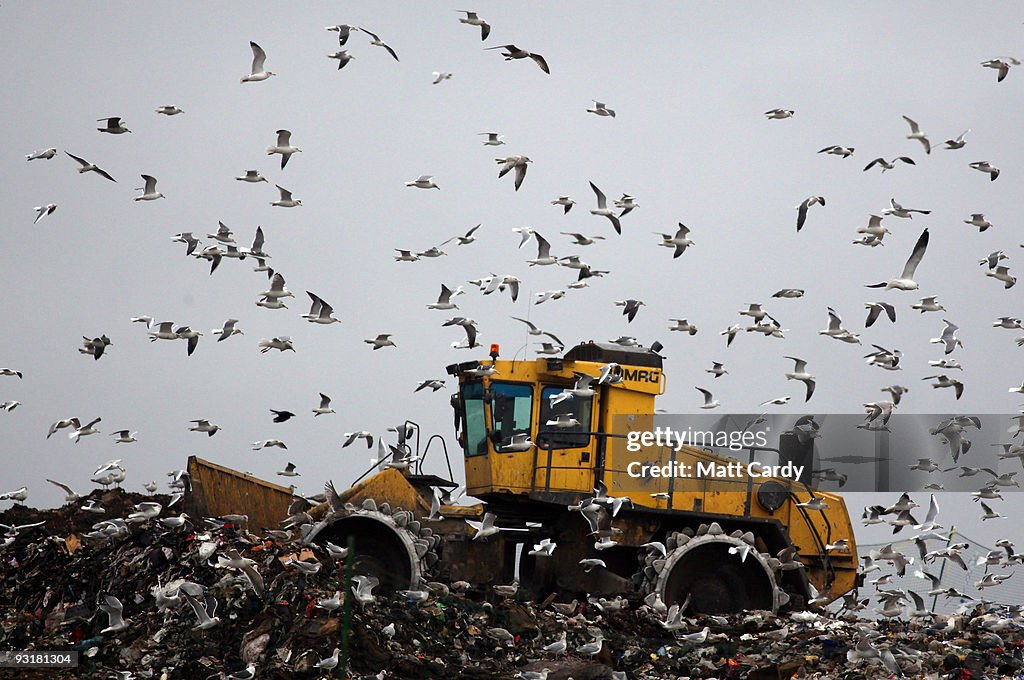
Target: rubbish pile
[(143, 597)]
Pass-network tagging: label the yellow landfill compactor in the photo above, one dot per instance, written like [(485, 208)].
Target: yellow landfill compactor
[(546, 448)]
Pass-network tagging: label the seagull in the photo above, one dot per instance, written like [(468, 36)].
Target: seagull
[(730, 332), (875, 309), (86, 166), (532, 329), (114, 126), (382, 340), (680, 241), (567, 204), (517, 162), (493, 139), (257, 72), (512, 52), (603, 210), (423, 182), (227, 330), (709, 401), (325, 406), (69, 495), (169, 110), (978, 220), (959, 142), (905, 281), (1002, 274), (929, 304), (205, 611), (801, 210), (993, 259), (1008, 322), (988, 512), (629, 308), (948, 337), (544, 256), (444, 299), (319, 311), (342, 56), (836, 150), (343, 30), (286, 200), (81, 431), (800, 373), (684, 326), (888, 165), (124, 437), (95, 346), (779, 114), (600, 109), (267, 443), (112, 607), (717, 369), (780, 401), (252, 176), (885, 358), (898, 210), (11, 372), (186, 333), (375, 40), (43, 210), (945, 381), (789, 293), (280, 343), (1001, 64), (204, 426), (473, 19), (149, 192), (434, 385), (985, 166), (915, 133), (283, 147), (46, 154), (439, 76)]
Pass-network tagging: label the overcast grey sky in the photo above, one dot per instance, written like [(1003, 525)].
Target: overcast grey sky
[(689, 82)]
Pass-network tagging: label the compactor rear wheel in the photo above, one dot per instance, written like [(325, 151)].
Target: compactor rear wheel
[(717, 573)]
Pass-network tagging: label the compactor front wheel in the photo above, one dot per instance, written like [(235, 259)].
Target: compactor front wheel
[(713, 572), (389, 544)]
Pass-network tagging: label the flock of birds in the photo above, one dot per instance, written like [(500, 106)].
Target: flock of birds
[(222, 244)]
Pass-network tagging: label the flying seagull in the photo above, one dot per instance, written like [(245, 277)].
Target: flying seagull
[(905, 281), (86, 166), (286, 200), (959, 142), (915, 133), (252, 176), (800, 373), (517, 162), (375, 40), (888, 165), (343, 30), (342, 56), (985, 166), (1002, 65), (114, 126), (149, 192), (169, 110), (709, 399), (473, 19), (43, 210), (603, 210), (257, 72), (801, 210), (601, 110), (680, 241), (512, 52), (779, 114), (283, 147)]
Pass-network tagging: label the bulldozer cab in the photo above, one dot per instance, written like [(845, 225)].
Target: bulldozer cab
[(536, 427)]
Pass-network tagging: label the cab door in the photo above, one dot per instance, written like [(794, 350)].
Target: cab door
[(565, 453)]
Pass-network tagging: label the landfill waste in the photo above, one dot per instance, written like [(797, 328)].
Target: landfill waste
[(212, 599)]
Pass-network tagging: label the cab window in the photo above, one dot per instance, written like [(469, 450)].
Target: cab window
[(474, 424), (511, 411), (564, 437)]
